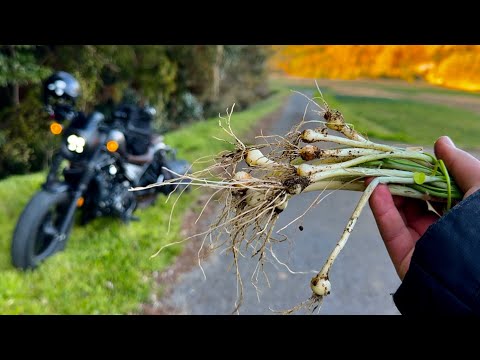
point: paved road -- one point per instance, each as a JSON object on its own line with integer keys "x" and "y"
{"x": 362, "y": 277}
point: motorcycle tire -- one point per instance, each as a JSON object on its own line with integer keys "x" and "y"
{"x": 33, "y": 238}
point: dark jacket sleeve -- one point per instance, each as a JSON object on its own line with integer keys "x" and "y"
{"x": 444, "y": 274}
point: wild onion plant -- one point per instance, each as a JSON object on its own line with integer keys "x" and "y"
{"x": 255, "y": 194}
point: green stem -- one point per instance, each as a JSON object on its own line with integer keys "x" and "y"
{"x": 435, "y": 168}
{"x": 436, "y": 192}
{"x": 400, "y": 164}
{"x": 364, "y": 159}
{"x": 359, "y": 185}
{"x": 443, "y": 168}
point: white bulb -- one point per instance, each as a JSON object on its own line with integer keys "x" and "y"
{"x": 72, "y": 147}
{"x": 321, "y": 286}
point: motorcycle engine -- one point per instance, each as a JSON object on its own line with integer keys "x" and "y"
{"x": 113, "y": 195}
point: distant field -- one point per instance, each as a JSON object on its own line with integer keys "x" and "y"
{"x": 411, "y": 88}
{"x": 398, "y": 86}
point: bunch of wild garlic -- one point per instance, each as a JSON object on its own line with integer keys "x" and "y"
{"x": 254, "y": 195}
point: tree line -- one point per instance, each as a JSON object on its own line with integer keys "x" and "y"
{"x": 453, "y": 66}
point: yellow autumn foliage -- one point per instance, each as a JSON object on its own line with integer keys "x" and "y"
{"x": 454, "y": 66}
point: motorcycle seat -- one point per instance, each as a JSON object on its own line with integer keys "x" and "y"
{"x": 156, "y": 139}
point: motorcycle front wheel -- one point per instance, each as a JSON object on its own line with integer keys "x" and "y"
{"x": 36, "y": 235}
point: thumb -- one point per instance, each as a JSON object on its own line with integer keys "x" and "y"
{"x": 462, "y": 166}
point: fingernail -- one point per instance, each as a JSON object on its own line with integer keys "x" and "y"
{"x": 448, "y": 141}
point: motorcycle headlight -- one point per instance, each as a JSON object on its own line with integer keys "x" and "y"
{"x": 112, "y": 170}
{"x": 75, "y": 143}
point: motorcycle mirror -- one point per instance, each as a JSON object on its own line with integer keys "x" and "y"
{"x": 151, "y": 110}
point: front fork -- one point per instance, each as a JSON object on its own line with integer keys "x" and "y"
{"x": 76, "y": 195}
{"x": 52, "y": 174}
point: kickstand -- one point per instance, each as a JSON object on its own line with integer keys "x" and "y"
{"x": 128, "y": 216}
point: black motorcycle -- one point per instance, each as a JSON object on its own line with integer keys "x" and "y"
{"x": 98, "y": 162}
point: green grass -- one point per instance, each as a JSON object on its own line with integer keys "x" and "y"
{"x": 106, "y": 268}
{"x": 407, "y": 121}
{"x": 413, "y": 88}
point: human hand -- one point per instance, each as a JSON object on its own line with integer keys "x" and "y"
{"x": 402, "y": 221}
